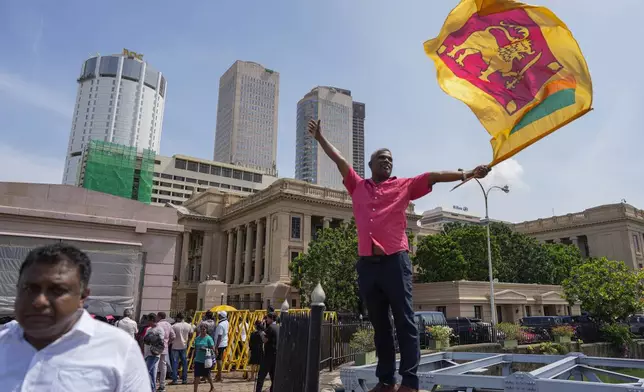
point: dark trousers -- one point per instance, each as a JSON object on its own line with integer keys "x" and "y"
{"x": 266, "y": 367}
{"x": 385, "y": 282}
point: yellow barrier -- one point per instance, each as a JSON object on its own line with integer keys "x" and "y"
{"x": 241, "y": 322}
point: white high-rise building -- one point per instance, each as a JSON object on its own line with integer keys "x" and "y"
{"x": 120, "y": 99}
{"x": 334, "y": 107}
{"x": 246, "y": 132}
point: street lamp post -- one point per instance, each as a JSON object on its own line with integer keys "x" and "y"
{"x": 486, "y": 193}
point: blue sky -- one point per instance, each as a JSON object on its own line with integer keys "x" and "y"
{"x": 372, "y": 47}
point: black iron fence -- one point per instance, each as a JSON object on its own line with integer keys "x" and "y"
{"x": 336, "y": 336}
{"x": 290, "y": 369}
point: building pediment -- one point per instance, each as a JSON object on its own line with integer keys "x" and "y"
{"x": 551, "y": 298}
{"x": 510, "y": 297}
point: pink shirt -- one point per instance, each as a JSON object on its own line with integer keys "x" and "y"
{"x": 380, "y": 210}
{"x": 168, "y": 334}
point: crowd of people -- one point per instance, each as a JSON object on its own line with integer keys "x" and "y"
{"x": 164, "y": 345}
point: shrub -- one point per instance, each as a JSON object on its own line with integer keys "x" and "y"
{"x": 362, "y": 341}
{"x": 563, "y": 330}
{"x": 548, "y": 348}
{"x": 511, "y": 331}
{"x": 440, "y": 333}
{"x": 617, "y": 334}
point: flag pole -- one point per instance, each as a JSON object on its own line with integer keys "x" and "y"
{"x": 491, "y": 165}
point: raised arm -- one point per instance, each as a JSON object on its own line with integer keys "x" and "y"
{"x": 316, "y": 131}
{"x": 451, "y": 176}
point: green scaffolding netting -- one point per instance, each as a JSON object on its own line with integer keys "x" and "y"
{"x": 119, "y": 170}
{"x": 145, "y": 176}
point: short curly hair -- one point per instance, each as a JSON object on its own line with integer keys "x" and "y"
{"x": 55, "y": 253}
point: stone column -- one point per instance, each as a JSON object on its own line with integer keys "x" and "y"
{"x": 306, "y": 231}
{"x": 248, "y": 259}
{"x": 575, "y": 241}
{"x": 267, "y": 250}
{"x": 258, "y": 250}
{"x": 206, "y": 255}
{"x": 185, "y": 244}
{"x": 326, "y": 222}
{"x": 228, "y": 273}
{"x": 238, "y": 254}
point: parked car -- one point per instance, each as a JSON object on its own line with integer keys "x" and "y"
{"x": 546, "y": 322}
{"x": 470, "y": 330}
{"x": 636, "y": 324}
{"x": 428, "y": 319}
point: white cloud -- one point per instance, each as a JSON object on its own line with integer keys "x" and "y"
{"x": 509, "y": 172}
{"x": 14, "y": 87}
{"x": 22, "y": 166}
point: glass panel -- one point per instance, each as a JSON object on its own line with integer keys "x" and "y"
{"x": 180, "y": 164}
{"x": 215, "y": 170}
{"x": 204, "y": 168}
{"x": 151, "y": 77}
{"x": 109, "y": 66}
{"x": 89, "y": 70}
{"x": 131, "y": 69}
{"x": 162, "y": 88}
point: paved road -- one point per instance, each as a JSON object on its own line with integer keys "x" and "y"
{"x": 233, "y": 382}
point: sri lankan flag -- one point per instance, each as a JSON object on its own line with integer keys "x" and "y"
{"x": 516, "y": 66}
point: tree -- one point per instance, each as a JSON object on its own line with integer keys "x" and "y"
{"x": 457, "y": 253}
{"x": 520, "y": 255}
{"x": 439, "y": 259}
{"x": 330, "y": 260}
{"x": 472, "y": 241}
{"x": 516, "y": 257}
{"x": 563, "y": 259}
{"x": 607, "y": 289}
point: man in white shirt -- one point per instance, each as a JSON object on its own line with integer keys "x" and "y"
{"x": 58, "y": 346}
{"x": 127, "y": 324}
{"x": 221, "y": 341}
{"x": 168, "y": 335}
{"x": 182, "y": 332}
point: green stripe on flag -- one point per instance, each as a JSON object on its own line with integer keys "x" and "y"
{"x": 556, "y": 101}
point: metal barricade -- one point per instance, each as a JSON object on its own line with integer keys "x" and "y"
{"x": 241, "y": 325}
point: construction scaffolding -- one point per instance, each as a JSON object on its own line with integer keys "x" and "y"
{"x": 118, "y": 170}
{"x": 469, "y": 372}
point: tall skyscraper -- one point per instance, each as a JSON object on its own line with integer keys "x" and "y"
{"x": 247, "y": 117}
{"x": 120, "y": 100}
{"x": 334, "y": 107}
{"x": 358, "y": 137}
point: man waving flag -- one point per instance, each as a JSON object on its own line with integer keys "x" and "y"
{"x": 516, "y": 66}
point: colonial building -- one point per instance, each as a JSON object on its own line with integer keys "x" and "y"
{"x": 248, "y": 242}
{"x": 612, "y": 230}
{"x": 513, "y": 301}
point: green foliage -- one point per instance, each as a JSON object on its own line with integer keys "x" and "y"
{"x": 363, "y": 341}
{"x": 434, "y": 249}
{"x": 510, "y": 330}
{"x": 617, "y": 334}
{"x": 330, "y": 260}
{"x": 607, "y": 289}
{"x": 548, "y": 348}
{"x": 459, "y": 252}
{"x": 440, "y": 333}
{"x": 563, "y": 330}
{"x": 562, "y": 259}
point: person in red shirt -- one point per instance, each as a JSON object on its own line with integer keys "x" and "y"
{"x": 384, "y": 268}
